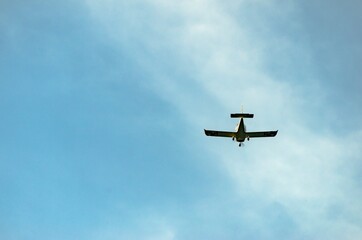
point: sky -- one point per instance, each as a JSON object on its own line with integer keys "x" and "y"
{"x": 103, "y": 106}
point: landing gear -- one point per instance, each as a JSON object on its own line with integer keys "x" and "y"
{"x": 248, "y": 138}
{"x": 239, "y": 144}
{"x": 233, "y": 139}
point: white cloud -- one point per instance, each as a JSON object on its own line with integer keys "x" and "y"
{"x": 309, "y": 173}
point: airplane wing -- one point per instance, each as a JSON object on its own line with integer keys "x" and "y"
{"x": 261, "y": 134}
{"x": 219, "y": 133}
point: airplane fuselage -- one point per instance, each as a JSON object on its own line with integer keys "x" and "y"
{"x": 240, "y": 134}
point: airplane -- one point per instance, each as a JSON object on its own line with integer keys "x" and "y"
{"x": 241, "y": 134}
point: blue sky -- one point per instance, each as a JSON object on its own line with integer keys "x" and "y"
{"x": 103, "y": 106}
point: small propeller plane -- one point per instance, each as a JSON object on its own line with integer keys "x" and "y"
{"x": 241, "y": 134}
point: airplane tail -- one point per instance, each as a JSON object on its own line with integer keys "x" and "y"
{"x": 241, "y": 115}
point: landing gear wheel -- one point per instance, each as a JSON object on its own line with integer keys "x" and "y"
{"x": 239, "y": 144}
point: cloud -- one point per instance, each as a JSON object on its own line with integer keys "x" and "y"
{"x": 205, "y": 63}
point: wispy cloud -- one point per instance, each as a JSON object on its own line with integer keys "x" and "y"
{"x": 205, "y": 63}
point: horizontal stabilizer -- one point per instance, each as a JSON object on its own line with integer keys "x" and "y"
{"x": 241, "y": 115}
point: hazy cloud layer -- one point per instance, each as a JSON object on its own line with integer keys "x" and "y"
{"x": 206, "y": 58}
{"x": 104, "y": 104}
